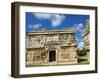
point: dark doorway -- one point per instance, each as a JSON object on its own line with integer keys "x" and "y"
{"x": 52, "y": 56}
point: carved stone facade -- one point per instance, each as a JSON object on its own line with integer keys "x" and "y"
{"x": 51, "y": 47}
{"x": 86, "y": 38}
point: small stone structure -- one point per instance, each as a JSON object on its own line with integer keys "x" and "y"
{"x": 86, "y": 38}
{"x": 51, "y": 47}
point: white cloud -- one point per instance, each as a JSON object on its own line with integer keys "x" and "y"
{"x": 35, "y": 26}
{"x": 42, "y": 16}
{"x": 76, "y": 38}
{"x": 78, "y": 27}
{"x": 55, "y": 19}
{"x": 81, "y": 45}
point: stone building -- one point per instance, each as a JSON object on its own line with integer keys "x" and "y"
{"x": 86, "y": 38}
{"x": 51, "y": 47}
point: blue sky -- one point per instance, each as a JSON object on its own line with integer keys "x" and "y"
{"x": 35, "y": 21}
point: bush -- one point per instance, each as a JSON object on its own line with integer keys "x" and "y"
{"x": 81, "y": 52}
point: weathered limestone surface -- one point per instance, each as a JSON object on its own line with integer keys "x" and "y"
{"x": 51, "y": 47}
{"x": 86, "y": 38}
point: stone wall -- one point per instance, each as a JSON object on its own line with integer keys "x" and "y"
{"x": 38, "y": 49}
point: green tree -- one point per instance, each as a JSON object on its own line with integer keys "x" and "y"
{"x": 81, "y": 52}
{"x": 88, "y": 24}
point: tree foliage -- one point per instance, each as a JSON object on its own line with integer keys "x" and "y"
{"x": 88, "y": 24}
{"x": 81, "y": 52}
